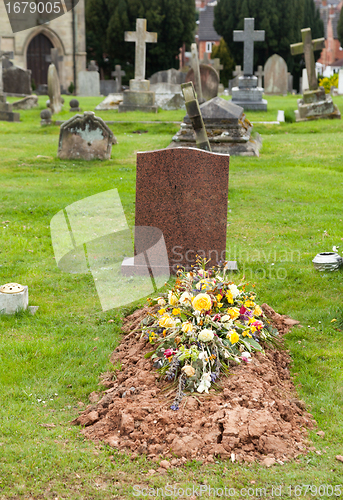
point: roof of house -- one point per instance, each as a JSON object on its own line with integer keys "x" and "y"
{"x": 206, "y": 30}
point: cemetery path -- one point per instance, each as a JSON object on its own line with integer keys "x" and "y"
{"x": 253, "y": 415}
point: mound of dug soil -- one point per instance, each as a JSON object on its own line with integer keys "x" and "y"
{"x": 255, "y": 415}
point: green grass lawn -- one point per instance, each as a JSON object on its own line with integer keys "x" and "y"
{"x": 284, "y": 208}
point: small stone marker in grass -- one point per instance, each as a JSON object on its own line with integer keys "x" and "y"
{"x": 315, "y": 103}
{"x": 85, "y": 137}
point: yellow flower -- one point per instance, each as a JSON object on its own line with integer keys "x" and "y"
{"x": 161, "y": 311}
{"x": 187, "y": 327}
{"x": 233, "y": 336}
{"x": 219, "y": 297}
{"x": 188, "y": 370}
{"x": 229, "y": 297}
{"x": 205, "y": 335}
{"x": 172, "y": 299}
{"x": 233, "y": 312}
{"x": 186, "y": 298}
{"x": 253, "y": 329}
{"x": 176, "y": 311}
{"x": 257, "y": 311}
{"x": 167, "y": 322}
{"x": 246, "y": 333}
{"x": 202, "y": 302}
{"x": 249, "y": 303}
{"x": 219, "y": 305}
{"x": 251, "y": 320}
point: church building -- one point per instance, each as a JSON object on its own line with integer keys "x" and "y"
{"x": 31, "y": 47}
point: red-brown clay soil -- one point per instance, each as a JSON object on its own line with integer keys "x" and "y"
{"x": 255, "y": 416}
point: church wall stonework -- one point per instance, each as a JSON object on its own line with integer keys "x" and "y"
{"x": 59, "y": 32}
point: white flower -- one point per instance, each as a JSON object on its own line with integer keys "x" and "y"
{"x": 202, "y": 355}
{"x": 226, "y": 318}
{"x": 186, "y": 298}
{"x": 206, "y": 335}
{"x": 161, "y": 301}
{"x": 246, "y": 354}
{"x": 205, "y": 383}
{"x": 335, "y": 249}
{"x": 234, "y": 290}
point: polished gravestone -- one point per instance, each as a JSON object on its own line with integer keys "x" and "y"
{"x": 184, "y": 193}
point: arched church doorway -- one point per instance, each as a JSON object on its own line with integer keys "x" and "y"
{"x": 37, "y": 52}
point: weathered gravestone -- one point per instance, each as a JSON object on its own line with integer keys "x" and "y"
{"x": 6, "y": 113}
{"x": 275, "y": 75}
{"x": 17, "y": 80}
{"x": 172, "y": 76}
{"x": 227, "y": 128}
{"x": 315, "y": 103}
{"x": 340, "y": 82}
{"x": 139, "y": 96}
{"x": 117, "y": 74}
{"x": 195, "y": 116}
{"x": 112, "y": 101}
{"x": 204, "y": 77}
{"x": 28, "y": 102}
{"x": 55, "y": 59}
{"x": 260, "y": 74}
{"x": 54, "y": 90}
{"x": 209, "y": 81}
{"x": 85, "y": 137}
{"x": 290, "y": 83}
{"x": 89, "y": 81}
{"x": 234, "y": 82}
{"x": 247, "y": 94}
{"x": 107, "y": 87}
{"x": 193, "y": 220}
{"x": 304, "y": 81}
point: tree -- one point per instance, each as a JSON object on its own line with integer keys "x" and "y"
{"x": 222, "y": 52}
{"x": 107, "y": 21}
{"x": 340, "y": 28}
{"x": 282, "y": 21}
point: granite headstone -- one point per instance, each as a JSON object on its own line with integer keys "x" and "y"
{"x": 168, "y": 197}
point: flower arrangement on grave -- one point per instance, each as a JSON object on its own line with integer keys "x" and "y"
{"x": 204, "y": 324}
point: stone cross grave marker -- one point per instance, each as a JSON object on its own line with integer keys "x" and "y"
{"x": 217, "y": 66}
{"x": 195, "y": 116}
{"x": 307, "y": 47}
{"x": 196, "y": 68}
{"x": 55, "y": 59}
{"x": 141, "y": 37}
{"x": 3, "y": 55}
{"x": 238, "y": 71}
{"x": 117, "y": 74}
{"x": 259, "y": 73}
{"x": 248, "y": 37}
